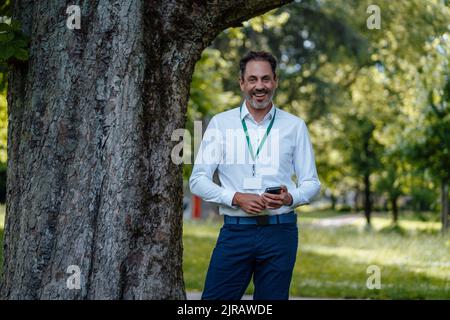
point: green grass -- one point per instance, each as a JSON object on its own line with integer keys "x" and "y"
{"x": 332, "y": 262}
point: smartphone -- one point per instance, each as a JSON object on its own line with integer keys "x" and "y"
{"x": 273, "y": 190}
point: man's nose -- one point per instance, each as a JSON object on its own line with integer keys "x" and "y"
{"x": 259, "y": 85}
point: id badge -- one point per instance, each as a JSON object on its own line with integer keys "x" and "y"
{"x": 253, "y": 183}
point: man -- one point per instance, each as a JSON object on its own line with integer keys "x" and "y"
{"x": 259, "y": 237}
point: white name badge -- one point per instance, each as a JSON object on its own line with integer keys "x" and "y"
{"x": 252, "y": 183}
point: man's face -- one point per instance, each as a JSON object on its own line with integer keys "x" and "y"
{"x": 258, "y": 84}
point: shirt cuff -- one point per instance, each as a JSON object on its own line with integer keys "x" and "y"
{"x": 297, "y": 198}
{"x": 227, "y": 198}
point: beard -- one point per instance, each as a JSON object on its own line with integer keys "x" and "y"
{"x": 257, "y": 104}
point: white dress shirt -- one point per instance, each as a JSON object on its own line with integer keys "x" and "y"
{"x": 286, "y": 153}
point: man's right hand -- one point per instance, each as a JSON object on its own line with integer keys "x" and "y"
{"x": 249, "y": 202}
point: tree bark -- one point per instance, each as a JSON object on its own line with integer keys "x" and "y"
{"x": 90, "y": 178}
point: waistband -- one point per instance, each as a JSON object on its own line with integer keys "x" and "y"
{"x": 263, "y": 220}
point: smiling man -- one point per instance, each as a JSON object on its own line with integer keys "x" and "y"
{"x": 259, "y": 237}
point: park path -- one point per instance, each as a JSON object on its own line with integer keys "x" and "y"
{"x": 338, "y": 221}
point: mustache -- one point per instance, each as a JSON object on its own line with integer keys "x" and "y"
{"x": 260, "y": 91}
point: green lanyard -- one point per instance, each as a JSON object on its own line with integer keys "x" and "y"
{"x": 247, "y": 137}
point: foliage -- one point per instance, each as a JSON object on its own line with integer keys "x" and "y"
{"x": 207, "y": 95}
{"x": 13, "y": 51}
{"x": 13, "y": 44}
{"x": 431, "y": 146}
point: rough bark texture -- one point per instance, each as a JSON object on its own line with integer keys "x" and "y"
{"x": 90, "y": 180}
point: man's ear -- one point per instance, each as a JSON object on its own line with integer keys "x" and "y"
{"x": 241, "y": 83}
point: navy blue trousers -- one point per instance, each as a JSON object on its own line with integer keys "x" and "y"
{"x": 266, "y": 252}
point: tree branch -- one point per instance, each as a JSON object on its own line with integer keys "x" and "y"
{"x": 224, "y": 14}
{"x": 204, "y": 20}
{"x": 232, "y": 13}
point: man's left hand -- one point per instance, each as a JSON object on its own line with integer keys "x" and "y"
{"x": 275, "y": 201}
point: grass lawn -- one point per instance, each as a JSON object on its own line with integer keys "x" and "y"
{"x": 332, "y": 262}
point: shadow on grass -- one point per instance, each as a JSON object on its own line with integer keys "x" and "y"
{"x": 400, "y": 230}
{"x": 394, "y": 228}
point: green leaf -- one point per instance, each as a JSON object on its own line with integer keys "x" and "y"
{"x": 6, "y": 53}
{"x": 19, "y": 43}
{"x": 21, "y": 54}
{"x": 15, "y": 25}
{"x": 4, "y": 27}
{"x": 3, "y": 68}
{"x": 5, "y": 37}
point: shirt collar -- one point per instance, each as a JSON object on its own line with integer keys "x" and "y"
{"x": 245, "y": 112}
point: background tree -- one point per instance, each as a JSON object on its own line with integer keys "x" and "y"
{"x": 431, "y": 146}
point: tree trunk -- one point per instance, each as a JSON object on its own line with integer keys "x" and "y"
{"x": 394, "y": 210}
{"x": 444, "y": 206}
{"x": 90, "y": 178}
{"x": 333, "y": 202}
{"x": 367, "y": 200}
